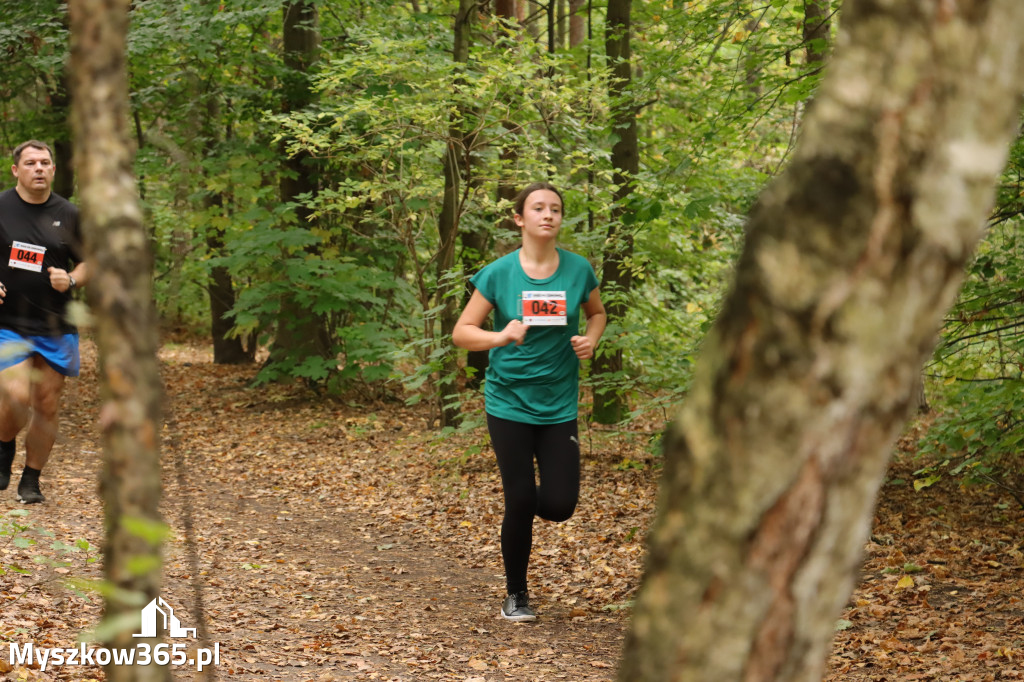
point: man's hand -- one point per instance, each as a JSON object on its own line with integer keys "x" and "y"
{"x": 59, "y": 279}
{"x": 3, "y": 292}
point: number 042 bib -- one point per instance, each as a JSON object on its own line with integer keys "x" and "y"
{"x": 27, "y": 257}
{"x": 545, "y": 308}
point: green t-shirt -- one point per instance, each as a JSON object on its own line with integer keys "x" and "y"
{"x": 537, "y": 382}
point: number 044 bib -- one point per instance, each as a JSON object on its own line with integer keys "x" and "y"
{"x": 27, "y": 256}
{"x": 544, "y": 308}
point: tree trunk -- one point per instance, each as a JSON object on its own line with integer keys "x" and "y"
{"x": 300, "y": 333}
{"x": 616, "y": 276}
{"x": 120, "y": 291}
{"x": 227, "y": 349}
{"x": 220, "y": 287}
{"x": 807, "y": 377}
{"x": 476, "y": 243}
{"x": 506, "y": 8}
{"x": 817, "y": 30}
{"x": 64, "y": 177}
{"x": 456, "y": 176}
{"x": 577, "y": 22}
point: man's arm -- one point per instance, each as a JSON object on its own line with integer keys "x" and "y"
{"x": 61, "y": 279}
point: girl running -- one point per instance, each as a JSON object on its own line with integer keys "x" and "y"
{"x": 532, "y": 383}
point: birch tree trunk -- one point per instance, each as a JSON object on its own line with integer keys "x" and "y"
{"x": 807, "y": 378}
{"x": 119, "y": 288}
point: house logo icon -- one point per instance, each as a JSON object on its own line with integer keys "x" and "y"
{"x": 160, "y": 609}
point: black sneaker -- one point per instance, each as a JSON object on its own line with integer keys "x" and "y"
{"x": 516, "y": 607}
{"x": 28, "y": 491}
{"x": 6, "y": 459}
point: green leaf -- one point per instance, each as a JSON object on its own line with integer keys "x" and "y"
{"x": 153, "y": 532}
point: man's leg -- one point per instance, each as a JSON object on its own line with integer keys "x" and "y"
{"x": 47, "y": 385}
{"x": 15, "y": 393}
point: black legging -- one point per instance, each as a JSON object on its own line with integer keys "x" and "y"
{"x": 557, "y": 450}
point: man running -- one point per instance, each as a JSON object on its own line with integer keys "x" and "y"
{"x": 40, "y": 265}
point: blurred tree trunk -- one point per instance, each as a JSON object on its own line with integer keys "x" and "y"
{"x": 577, "y": 22}
{"x": 852, "y": 257}
{"x": 817, "y": 30}
{"x": 616, "y": 274}
{"x": 120, "y": 292}
{"x": 64, "y": 176}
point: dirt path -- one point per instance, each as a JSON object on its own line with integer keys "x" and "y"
{"x": 314, "y": 540}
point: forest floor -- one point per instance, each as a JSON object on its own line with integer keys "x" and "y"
{"x": 320, "y": 540}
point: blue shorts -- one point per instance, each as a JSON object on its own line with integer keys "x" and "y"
{"x": 60, "y": 352}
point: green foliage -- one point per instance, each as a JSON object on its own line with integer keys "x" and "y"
{"x": 719, "y": 87}
{"x": 380, "y": 131}
{"x": 33, "y": 40}
{"x": 40, "y": 547}
{"x": 978, "y": 366}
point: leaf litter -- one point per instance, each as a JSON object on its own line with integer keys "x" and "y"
{"x": 319, "y": 540}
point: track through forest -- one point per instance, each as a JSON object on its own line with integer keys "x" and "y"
{"x": 320, "y": 540}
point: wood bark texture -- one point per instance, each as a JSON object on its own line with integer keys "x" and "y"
{"x": 119, "y": 288}
{"x": 616, "y": 275}
{"x": 809, "y": 374}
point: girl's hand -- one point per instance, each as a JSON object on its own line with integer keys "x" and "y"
{"x": 583, "y": 346}
{"x": 515, "y": 332}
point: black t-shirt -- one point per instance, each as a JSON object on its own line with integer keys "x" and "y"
{"x": 34, "y": 237}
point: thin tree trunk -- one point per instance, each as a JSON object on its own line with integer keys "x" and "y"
{"x": 456, "y": 176}
{"x": 616, "y": 276}
{"x": 120, "y": 292}
{"x": 852, "y": 257}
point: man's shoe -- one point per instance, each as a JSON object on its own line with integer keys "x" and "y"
{"x": 516, "y": 607}
{"x": 28, "y": 491}
{"x": 6, "y": 460}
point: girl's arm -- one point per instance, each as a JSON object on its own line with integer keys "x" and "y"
{"x": 468, "y": 333}
{"x": 597, "y": 319}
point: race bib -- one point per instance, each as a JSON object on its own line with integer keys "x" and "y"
{"x": 544, "y": 308}
{"x": 27, "y": 257}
